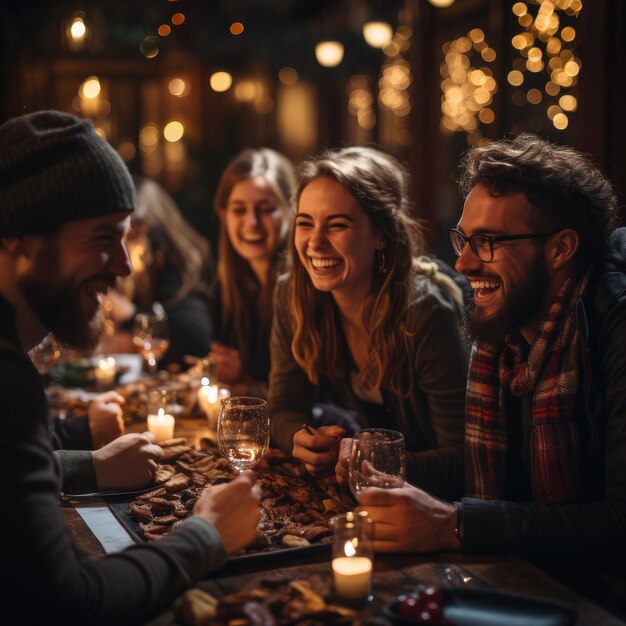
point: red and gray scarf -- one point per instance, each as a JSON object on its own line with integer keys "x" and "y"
{"x": 549, "y": 371}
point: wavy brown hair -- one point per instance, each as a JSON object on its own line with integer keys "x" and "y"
{"x": 243, "y": 300}
{"x": 379, "y": 183}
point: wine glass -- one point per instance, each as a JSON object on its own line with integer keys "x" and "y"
{"x": 243, "y": 431}
{"x": 377, "y": 459}
{"x": 151, "y": 336}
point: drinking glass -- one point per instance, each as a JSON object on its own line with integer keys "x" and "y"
{"x": 377, "y": 459}
{"x": 151, "y": 336}
{"x": 46, "y": 354}
{"x": 243, "y": 431}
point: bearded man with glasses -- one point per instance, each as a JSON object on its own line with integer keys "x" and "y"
{"x": 546, "y": 395}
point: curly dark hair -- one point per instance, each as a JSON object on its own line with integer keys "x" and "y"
{"x": 563, "y": 184}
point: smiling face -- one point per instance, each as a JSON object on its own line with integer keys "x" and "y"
{"x": 335, "y": 239}
{"x": 254, "y": 220}
{"x": 510, "y": 292}
{"x": 69, "y": 274}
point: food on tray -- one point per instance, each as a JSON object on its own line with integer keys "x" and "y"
{"x": 67, "y": 402}
{"x": 269, "y": 601}
{"x": 294, "y": 512}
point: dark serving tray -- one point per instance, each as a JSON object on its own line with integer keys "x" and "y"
{"x": 119, "y": 504}
{"x": 477, "y": 607}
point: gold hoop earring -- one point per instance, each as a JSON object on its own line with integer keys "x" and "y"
{"x": 380, "y": 262}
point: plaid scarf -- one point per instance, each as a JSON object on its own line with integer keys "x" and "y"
{"x": 549, "y": 371}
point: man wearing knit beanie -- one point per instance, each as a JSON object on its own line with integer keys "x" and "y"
{"x": 55, "y": 172}
{"x": 65, "y": 202}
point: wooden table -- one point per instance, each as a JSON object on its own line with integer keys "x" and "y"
{"x": 393, "y": 574}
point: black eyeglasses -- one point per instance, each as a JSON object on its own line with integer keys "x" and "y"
{"x": 482, "y": 245}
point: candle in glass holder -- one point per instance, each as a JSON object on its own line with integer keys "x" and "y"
{"x": 104, "y": 373}
{"x": 161, "y": 425}
{"x": 353, "y": 555}
{"x": 210, "y": 398}
{"x": 352, "y": 575}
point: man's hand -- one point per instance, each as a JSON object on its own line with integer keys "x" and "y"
{"x": 233, "y": 508}
{"x": 408, "y": 519}
{"x": 105, "y": 418}
{"x": 317, "y": 448}
{"x": 127, "y": 463}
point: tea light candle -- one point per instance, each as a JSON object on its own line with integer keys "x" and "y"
{"x": 161, "y": 425}
{"x": 105, "y": 372}
{"x": 353, "y": 577}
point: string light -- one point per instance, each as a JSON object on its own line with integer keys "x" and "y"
{"x": 467, "y": 90}
{"x": 546, "y": 45}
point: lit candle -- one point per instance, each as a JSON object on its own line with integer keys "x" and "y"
{"x": 161, "y": 425}
{"x": 105, "y": 372}
{"x": 210, "y": 398}
{"x": 352, "y": 574}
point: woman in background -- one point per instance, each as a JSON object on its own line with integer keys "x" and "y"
{"x": 253, "y": 203}
{"x": 172, "y": 266}
{"x": 363, "y": 323}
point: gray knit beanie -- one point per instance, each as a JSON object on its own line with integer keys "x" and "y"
{"x": 54, "y": 168}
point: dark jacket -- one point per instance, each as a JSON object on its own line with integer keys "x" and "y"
{"x": 46, "y": 583}
{"x": 594, "y": 529}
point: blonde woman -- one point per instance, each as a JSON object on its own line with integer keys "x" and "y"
{"x": 364, "y": 323}
{"x": 253, "y": 202}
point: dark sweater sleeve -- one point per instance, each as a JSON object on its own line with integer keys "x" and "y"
{"x": 118, "y": 589}
{"x": 71, "y": 433}
{"x": 191, "y": 329}
{"x": 78, "y": 474}
{"x": 290, "y": 394}
{"x": 440, "y": 359}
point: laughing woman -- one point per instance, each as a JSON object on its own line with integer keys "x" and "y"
{"x": 253, "y": 202}
{"x": 364, "y": 323}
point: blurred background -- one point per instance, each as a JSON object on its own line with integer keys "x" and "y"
{"x": 178, "y": 87}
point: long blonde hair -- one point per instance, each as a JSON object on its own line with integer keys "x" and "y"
{"x": 379, "y": 183}
{"x": 243, "y": 300}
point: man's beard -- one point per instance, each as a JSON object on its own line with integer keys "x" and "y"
{"x": 58, "y": 306}
{"x": 522, "y": 304}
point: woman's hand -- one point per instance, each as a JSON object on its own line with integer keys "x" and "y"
{"x": 227, "y": 363}
{"x": 343, "y": 461}
{"x": 317, "y": 448}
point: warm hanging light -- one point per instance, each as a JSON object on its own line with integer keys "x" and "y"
{"x": 329, "y": 53}
{"x": 441, "y": 4}
{"x": 174, "y": 131}
{"x": 90, "y": 88}
{"x": 78, "y": 29}
{"x": 220, "y": 81}
{"x": 377, "y": 34}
